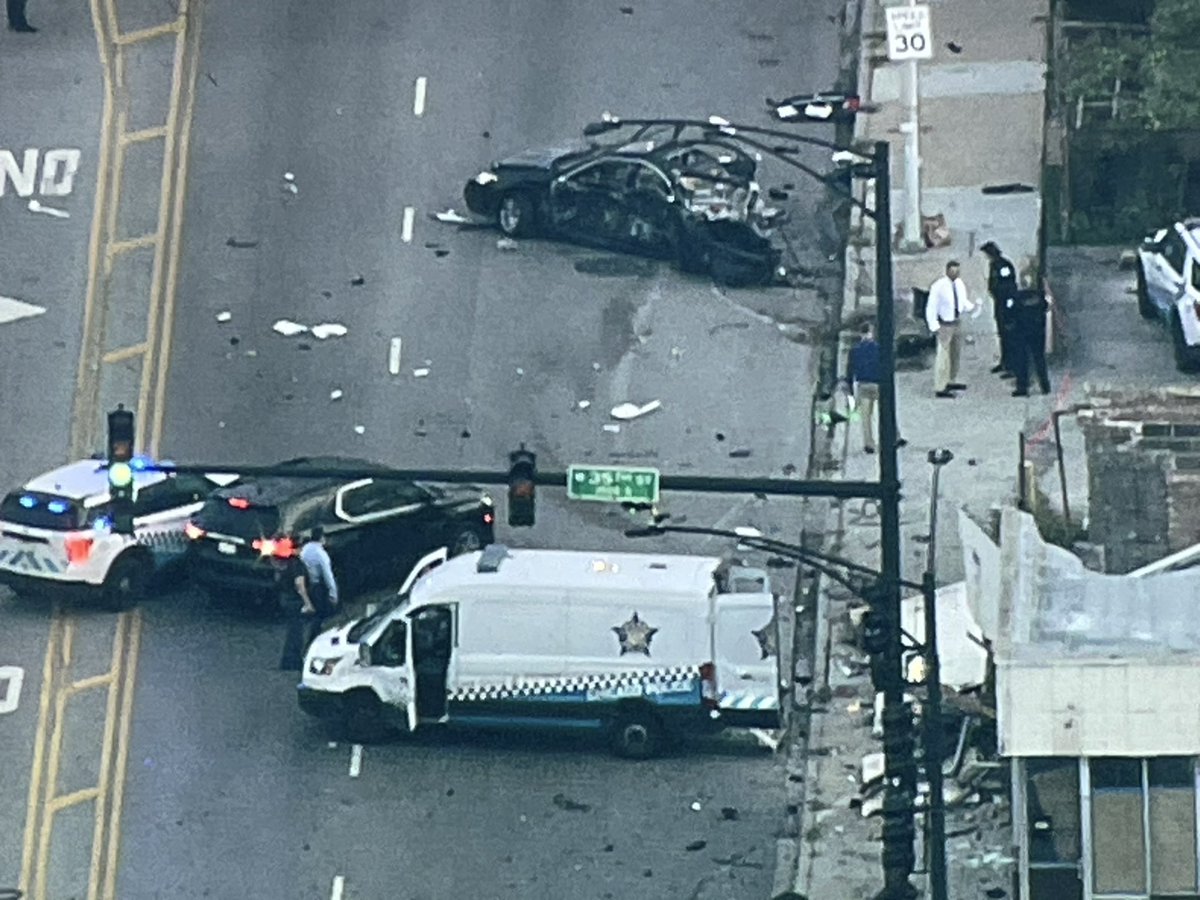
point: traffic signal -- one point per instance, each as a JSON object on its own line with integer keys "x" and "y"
{"x": 521, "y": 487}
{"x": 900, "y": 744}
{"x": 120, "y": 473}
{"x": 899, "y": 833}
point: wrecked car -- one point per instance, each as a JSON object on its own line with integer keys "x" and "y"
{"x": 672, "y": 192}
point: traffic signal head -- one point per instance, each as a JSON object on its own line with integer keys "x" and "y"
{"x": 522, "y": 487}
{"x": 120, "y": 435}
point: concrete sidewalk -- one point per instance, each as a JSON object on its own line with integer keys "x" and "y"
{"x": 982, "y": 125}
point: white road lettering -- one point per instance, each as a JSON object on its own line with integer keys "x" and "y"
{"x": 406, "y": 228}
{"x": 58, "y": 170}
{"x": 419, "y": 96}
{"x": 355, "y": 760}
{"x": 12, "y": 309}
{"x": 11, "y": 678}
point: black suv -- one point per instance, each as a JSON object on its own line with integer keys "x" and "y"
{"x": 375, "y": 529}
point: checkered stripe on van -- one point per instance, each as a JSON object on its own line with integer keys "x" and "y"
{"x": 574, "y": 684}
{"x": 166, "y": 540}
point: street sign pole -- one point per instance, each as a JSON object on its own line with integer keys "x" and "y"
{"x": 910, "y": 39}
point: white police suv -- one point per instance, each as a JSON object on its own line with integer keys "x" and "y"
{"x": 1168, "y": 287}
{"x": 56, "y": 532}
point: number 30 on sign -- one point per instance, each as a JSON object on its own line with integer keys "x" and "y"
{"x": 909, "y": 34}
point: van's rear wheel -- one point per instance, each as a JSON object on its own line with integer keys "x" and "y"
{"x": 362, "y": 718}
{"x": 636, "y": 734}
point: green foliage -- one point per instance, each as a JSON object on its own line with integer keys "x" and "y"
{"x": 1172, "y": 66}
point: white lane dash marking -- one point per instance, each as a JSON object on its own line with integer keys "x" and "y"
{"x": 12, "y": 309}
{"x": 406, "y": 229}
{"x": 394, "y": 358}
{"x": 339, "y": 885}
{"x": 355, "y": 760}
{"x": 419, "y": 96}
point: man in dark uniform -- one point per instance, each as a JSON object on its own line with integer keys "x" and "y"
{"x": 16, "y": 17}
{"x": 1002, "y": 285}
{"x": 1029, "y": 339}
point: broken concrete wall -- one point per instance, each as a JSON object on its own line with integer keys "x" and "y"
{"x": 1143, "y": 456}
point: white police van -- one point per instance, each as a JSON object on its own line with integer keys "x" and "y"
{"x": 56, "y": 532}
{"x": 639, "y": 646}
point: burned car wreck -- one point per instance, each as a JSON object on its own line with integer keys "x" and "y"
{"x": 672, "y": 192}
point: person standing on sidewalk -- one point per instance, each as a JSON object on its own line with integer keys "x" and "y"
{"x": 862, "y": 374}
{"x": 16, "y": 17}
{"x": 1002, "y": 285}
{"x": 1030, "y": 308}
{"x": 943, "y": 312}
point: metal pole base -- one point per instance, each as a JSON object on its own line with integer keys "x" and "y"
{"x": 900, "y": 891}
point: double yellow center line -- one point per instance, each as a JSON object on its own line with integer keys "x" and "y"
{"x": 106, "y": 306}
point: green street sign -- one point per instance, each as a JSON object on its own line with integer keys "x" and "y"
{"x": 612, "y": 484}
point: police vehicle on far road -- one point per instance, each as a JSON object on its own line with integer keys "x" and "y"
{"x": 1168, "y": 287}
{"x": 56, "y": 532}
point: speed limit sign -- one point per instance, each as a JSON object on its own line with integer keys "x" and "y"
{"x": 909, "y": 35}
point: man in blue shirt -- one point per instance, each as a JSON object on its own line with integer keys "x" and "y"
{"x": 863, "y": 374}
{"x": 322, "y": 586}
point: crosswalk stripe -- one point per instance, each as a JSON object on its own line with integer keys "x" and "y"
{"x": 12, "y": 309}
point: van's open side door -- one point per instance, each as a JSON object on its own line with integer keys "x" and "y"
{"x": 425, "y": 564}
{"x": 746, "y": 648}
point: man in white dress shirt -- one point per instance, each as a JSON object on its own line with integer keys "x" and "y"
{"x": 945, "y": 308}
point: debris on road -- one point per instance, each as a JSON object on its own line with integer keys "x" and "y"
{"x": 357, "y": 281}
{"x": 506, "y": 244}
{"x": 520, "y": 371}
{"x": 420, "y": 373}
{"x": 729, "y": 813}
{"x": 627, "y": 411}
{"x": 328, "y": 330}
{"x": 451, "y": 216}
{"x": 224, "y": 316}
{"x": 335, "y": 394}
{"x": 562, "y": 801}
{"x": 696, "y": 807}
{"x": 394, "y": 356}
{"x": 288, "y": 328}
{"x": 613, "y": 429}
{"x": 595, "y": 367}
{"x": 34, "y": 206}
{"x": 240, "y": 245}
{"x": 677, "y": 353}
{"x": 584, "y": 404}
{"x": 289, "y": 183}
{"x": 696, "y": 845}
{"x": 741, "y": 453}
{"x": 359, "y": 429}
{"x": 441, "y": 253}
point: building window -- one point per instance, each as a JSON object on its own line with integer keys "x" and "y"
{"x": 1118, "y": 827}
{"x": 1172, "y": 821}
{"x": 1142, "y": 823}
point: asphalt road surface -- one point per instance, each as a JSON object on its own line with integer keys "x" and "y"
{"x": 230, "y": 791}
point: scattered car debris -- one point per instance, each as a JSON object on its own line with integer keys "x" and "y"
{"x": 289, "y": 183}
{"x": 240, "y": 245}
{"x": 584, "y": 404}
{"x": 359, "y": 429}
{"x": 357, "y": 281}
{"x": 627, "y": 411}
{"x": 420, "y": 373}
{"x": 234, "y": 341}
{"x": 441, "y": 253}
{"x": 394, "y": 356}
{"x": 741, "y": 453}
{"x": 451, "y": 216}
{"x": 729, "y": 813}
{"x": 224, "y": 316}
{"x": 520, "y": 371}
{"x": 627, "y": 10}
{"x": 562, "y": 801}
{"x": 303, "y": 345}
{"x": 209, "y": 76}
{"x": 464, "y": 434}
{"x": 506, "y": 244}
{"x": 696, "y": 845}
{"x": 953, "y": 47}
{"x": 720, "y": 436}
{"x": 35, "y": 206}
{"x": 595, "y": 367}
{"x": 328, "y": 330}
{"x": 288, "y": 328}
{"x": 612, "y": 428}
{"x": 696, "y": 807}
{"x": 335, "y": 394}
{"x": 677, "y": 353}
